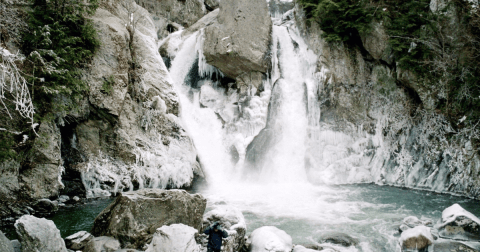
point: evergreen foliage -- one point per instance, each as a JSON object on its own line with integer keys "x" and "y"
{"x": 60, "y": 41}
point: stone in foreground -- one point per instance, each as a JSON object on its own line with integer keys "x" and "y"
{"x": 270, "y": 238}
{"x": 418, "y": 238}
{"x": 102, "y": 244}
{"x": 5, "y": 244}
{"x": 134, "y": 217}
{"x": 78, "y": 240}
{"x": 174, "y": 238}
{"x": 39, "y": 235}
{"x": 459, "y": 224}
{"x": 234, "y": 223}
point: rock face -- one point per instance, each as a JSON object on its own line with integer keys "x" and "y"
{"x": 45, "y": 207}
{"x": 234, "y": 223}
{"x": 416, "y": 238}
{"x": 78, "y": 240}
{"x": 5, "y": 244}
{"x": 39, "y": 235}
{"x": 458, "y": 223}
{"x": 134, "y": 216}
{"x": 238, "y": 43}
{"x": 174, "y": 238}
{"x": 135, "y": 122}
{"x": 102, "y": 244}
{"x": 270, "y": 238}
{"x": 166, "y": 14}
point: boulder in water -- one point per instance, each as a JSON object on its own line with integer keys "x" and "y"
{"x": 412, "y": 221}
{"x": 45, "y": 207}
{"x": 418, "y": 238}
{"x": 270, "y": 238}
{"x": 63, "y": 198}
{"x": 300, "y": 248}
{"x": 39, "y": 235}
{"x": 234, "y": 223}
{"x": 78, "y": 240}
{"x": 102, "y": 244}
{"x": 174, "y": 238}
{"x": 339, "y": 239}
{"x": 134, "y": 217}
{"x": 5, "y": 244}
{"x": 458, "y": 223}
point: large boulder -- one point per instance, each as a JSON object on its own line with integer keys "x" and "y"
{"x": 419, "y": 238}
{"x": 134, "y": 217}
{"x": 270, "y": 238}
{"x": 45, "y": 206}
{"x": 39, "y": 235}
{"x": 458, "y": 223}
{"x": 5, "y": 243}
{"x": 102, "y": 244}
{"x": 234, "y": 223}
{"x": 174, "y": 238}
{"x": 78, "y": 240}
{"x": 239, "y": 41}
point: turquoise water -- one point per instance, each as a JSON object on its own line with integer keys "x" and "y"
{"x": 368, "y": 212}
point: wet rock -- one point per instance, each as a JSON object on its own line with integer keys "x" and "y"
{"x": 45, "y": 207}
{"x": 78, "y": 240}
{"x": 174, "y": 238}
{"x": 458, "y": 223}
{"x": 233, "y": 221}
{"x": 5, "y": 243}
{"x": 418, "y": 238}
{"x": 412, "y": 221}
{"x": 63, "y": 198}
{"x": 239, "y": 41}
{"x": 339, "y": 238}
{"x": 102, "y": 244}
{"x": 76, "y": 198}
{"x": 457, "y": 246}
{"x": 270, "y": 238}
{"x": 134, "y": 216}
{"x": 40, "y": 235}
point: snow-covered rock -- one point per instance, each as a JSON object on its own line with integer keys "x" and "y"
{"x": 102, "y": 244}
{"x": 412, "y": 221}
{"x": 339, "y": 238}
{"x": 5, "y": 244}
{"x": 78, "y": 240}
{"x": 39, "y": 235}
{"x": 418, "y": 237}
{"x": 458, "y": 223}
{"x": 174, "y": 238}
{"x": 233, "y": 221}
{"x": 133, "y": 216}
{"x": 269, "y": 238}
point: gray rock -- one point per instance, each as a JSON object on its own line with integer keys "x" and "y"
{"x": 134, "y": 216}
{"x": 78, "y": 240}
{"x": 232, "y": 220}
{"x": 419, "y": 238}
{"x": 458, "y": 223}
{"x": 412, "y": 221}
{"x": 45, "y": 206}
{"x": 239, "y": 41}
{"x": 174, "y": 238}
{"x": 212, "y": 4}
{"x": 5, "y": 243}
{"x": 40, "y": 235}
{"x": 339, "y": 238}
{"x": 76, "y": 198}
{"x": 17, "y": 246}
{"x": 458, "y": 246}
{"x": 102, "y": 244}
{"x": 63, "y": 198}
{"x": 376, "y": 43}
{"x": 300, "y": 248}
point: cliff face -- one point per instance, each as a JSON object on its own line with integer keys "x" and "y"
{"x": 386, "y": 130}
